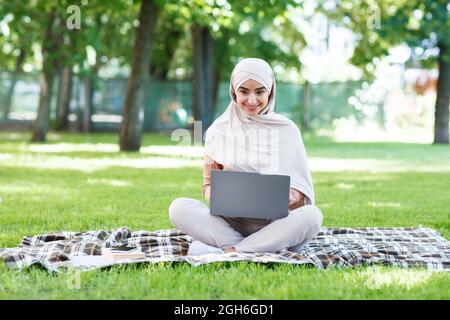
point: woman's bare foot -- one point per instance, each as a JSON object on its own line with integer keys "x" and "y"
{"x": 229, "y": 249}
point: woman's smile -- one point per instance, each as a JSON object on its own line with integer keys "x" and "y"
{"x": 251, "y": 107}
{"x": 252, "y": 97}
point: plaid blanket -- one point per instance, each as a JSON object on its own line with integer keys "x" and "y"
{"x": 332, "y": 247}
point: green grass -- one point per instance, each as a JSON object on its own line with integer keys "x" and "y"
{"x": 80, "y": 182}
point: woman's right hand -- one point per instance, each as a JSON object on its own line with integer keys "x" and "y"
{"x": 209, "y": 164}
{"x": 207, "y": 192}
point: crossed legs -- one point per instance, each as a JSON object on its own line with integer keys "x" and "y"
{"x": 192, "y": 217}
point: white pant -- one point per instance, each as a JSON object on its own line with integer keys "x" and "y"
{"x": 192, "y": 217}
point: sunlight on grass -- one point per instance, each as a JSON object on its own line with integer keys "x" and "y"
{"x": 325, "y": 155}
{"x": 174, "y": 151}
{"x": 348, "y": 132}
{"x": 29, "y": 187}
{"x": 70, "y": 147}
{"x": 385, "y": 204}
{"x": 346, "y": 182}
{"x": 335, "y": 164}
{"x": 91, "y": 165}
{"x": 373, "y": 166}
{"x": 345, "y": 186}
{"x": 377, "y": 278}
{"x": 178, "y": 151}
{"x": 177, "y": 157}
{"x": 5, "y": 156}
{"x": 109, "y": 182}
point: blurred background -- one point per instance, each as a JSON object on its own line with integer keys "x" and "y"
{"x": 351, "y": 69}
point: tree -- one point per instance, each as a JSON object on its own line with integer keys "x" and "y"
{"x": 202, "y": 91}
{"x": 104, "y": 30}
{"x": 169, "y": 31}
{"x": 380, "y": 25}
{"x": 131, "y": 125}
{"x": 10, "y": 92}
{"x": 107, "y": 34}
{"x": 197, "y": 19}
{"x": 46, "y": 21}
{"x": 65, "y": 95}
{"x": 46, "y": 82}
{"x": 57, "y": 54}
{"x": 218, "y": 41}
{"x": 16, "y": 48}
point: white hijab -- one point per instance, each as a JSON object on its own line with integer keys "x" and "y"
{"x": 267, "y": 143}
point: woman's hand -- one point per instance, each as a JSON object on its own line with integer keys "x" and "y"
{"x": 207, "y": 192}
{"x": 209, "y": 164}
{"x": 296, "y": 199}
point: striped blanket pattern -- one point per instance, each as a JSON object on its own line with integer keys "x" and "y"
{"x": 332, "y": 247}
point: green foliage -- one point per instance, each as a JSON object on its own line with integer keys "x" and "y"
{"x": 239, "y": 29}
{"x": 14, "y": 37}
{"x": 381, "y": 25}
{"x": 170, "y": 30}
{"x": 106, "y": 26}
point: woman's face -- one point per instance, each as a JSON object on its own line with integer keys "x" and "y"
{"x": 252, "y": 97}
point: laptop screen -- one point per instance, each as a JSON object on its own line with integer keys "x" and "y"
{"x": 249, "y": 194}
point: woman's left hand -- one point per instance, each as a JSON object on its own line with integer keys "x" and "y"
{"x": 296, "y": 199}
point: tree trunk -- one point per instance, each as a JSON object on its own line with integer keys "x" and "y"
{"x": 131, "y": 125}
{"x": 202, "y": 82}
{"x": 80, "y": 104}
{"x": 221, "y": 50}
{"x": 441, "y": 116}
{"x": 65, "y": 96}
{"x": 58, "y": 79}
{"x": 87, "y": 110}
{"x": 15, "y": 75}
{"x": 160, "y": 71}
{"x": 41, "y": 124}
{"x": 89, "y": 85}
{"x": 305, "y": 109}
{"x": 215, "y": 91}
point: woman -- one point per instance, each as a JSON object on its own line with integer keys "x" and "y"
{"x": 250, "y": 136}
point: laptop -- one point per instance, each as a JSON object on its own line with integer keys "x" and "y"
{"x": 249, "y": 194}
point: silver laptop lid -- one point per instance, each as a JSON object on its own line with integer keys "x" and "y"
{"x": 249, "y": 194}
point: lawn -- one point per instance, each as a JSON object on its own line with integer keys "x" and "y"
{"x": 81, "y": 182}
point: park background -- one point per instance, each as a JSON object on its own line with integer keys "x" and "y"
{"x": 93, "y": 96}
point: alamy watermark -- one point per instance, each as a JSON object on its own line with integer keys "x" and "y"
{"x": 374, "y": 18}
{"x": 73, "y": 281}
{"x": 73, "y": 20}
{"x": 255, "y": 147}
